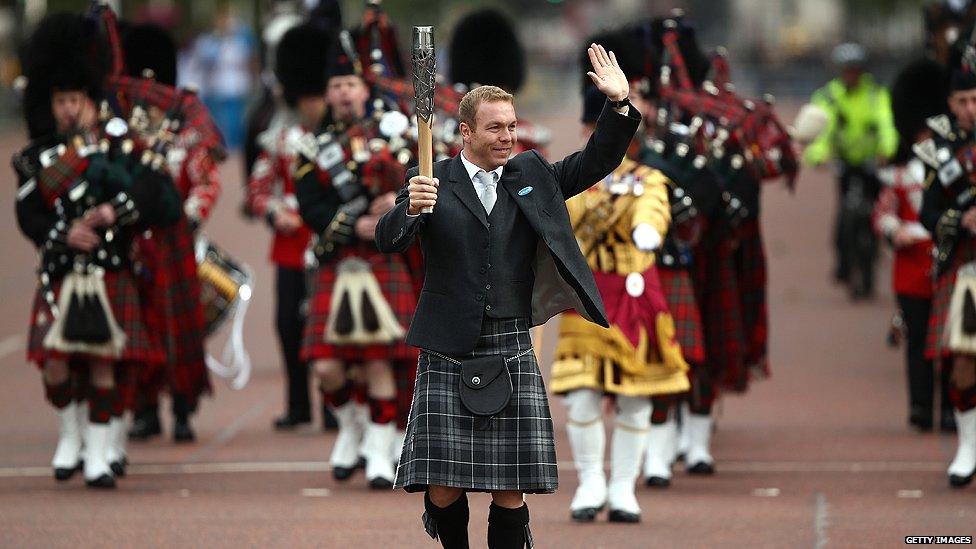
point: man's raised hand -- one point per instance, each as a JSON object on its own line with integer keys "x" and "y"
{"x": 606, "y": 73}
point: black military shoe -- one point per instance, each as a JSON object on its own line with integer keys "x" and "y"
{"x": 102, "y": 482}
{"x": 616, "y": 515}
{"x": 145, "y": 425}
{"x": 586, "y": 514}
{"x": 701, "y": 468}
{"x": 289, "y": 422}
{"x": 182, "y": 432}
{"x": 920, "y": 418}
{"x": 343, "y": 473}
{"x": 657, "y": 482}
{"x": 63, "y": 474}
{"x": 380, "y": 483}
{"x": 957, "y": 481}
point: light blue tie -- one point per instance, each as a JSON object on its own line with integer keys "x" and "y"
{"x": 488, "y": 193}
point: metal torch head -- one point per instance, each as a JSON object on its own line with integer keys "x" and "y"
{"x": 423, "y": 72}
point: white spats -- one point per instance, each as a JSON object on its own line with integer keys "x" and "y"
{"x": 345, "y": 452}
{"x": 97, "y": 440}
{"x": 661, "y": 440}
{"x": 68, "y": 453}
{"x": 963, "y": 466}
{"x": 376, "y": 445}
{"x": 699, "y": 429}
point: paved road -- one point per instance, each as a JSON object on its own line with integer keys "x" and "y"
{"x": 819, "y": 455}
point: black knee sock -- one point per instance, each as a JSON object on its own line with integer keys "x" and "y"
{"x": 450, "y": 523}
{"x": 509, "y": 528}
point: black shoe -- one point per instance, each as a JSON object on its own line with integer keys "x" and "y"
{"x": 587, "y": 514}
{"x": 145, "y": 425}
{"x": 947, "y": 423}
{"x": 343, "y": 473}
{"x": 701, "y": 468}
{"x": 104, "y": 481}
{"x": 118, "y": 468}
{"x": 657, "y": 482}
{"x": 182, "y": 432}
{"x": 329, "y": 421}
{"x": 61, "y": 474}
{"x": 288, "y": 421}
{"x": 956, "y": 481}
{"x": 380, "y": 483}
{"x": 920, "y": 418}
{"x": 616, "y": 515}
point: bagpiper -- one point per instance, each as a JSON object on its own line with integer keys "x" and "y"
{"x": 949, "y": 214}
{"x": 360, "y": 299}
{"x": 87, "y": 186}
{"x": 169, "y": 285}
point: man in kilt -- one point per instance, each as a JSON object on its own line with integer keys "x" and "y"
{"x": 950, "y": 217}
{"x": 300, "y": 71}
{"x": 360, "y": 299}
{"x": 168, "y": 285}
{"x": 500, "y": 256}
{"x": 81, "y": 199}
{"x": 620, "y": 223}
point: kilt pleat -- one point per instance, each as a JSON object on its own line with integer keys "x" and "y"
{"x": 717, "y": 291}
{"x": 140, "y": 347}
{"x": 395, "y": 281}
{"x": 934, "y": 347}
{"x": 446, "y": 446}
{"x": 751, "y": 274}
{"x": 680, "y": 295}
{"x": 170, "y": 293}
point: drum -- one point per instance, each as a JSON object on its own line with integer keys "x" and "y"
{"x": 224, "y": 283}
{"x": 225, "y": 291}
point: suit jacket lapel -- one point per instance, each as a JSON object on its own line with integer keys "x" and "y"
{"x": 512, "y": 182}
{"x": 464, "y": 189}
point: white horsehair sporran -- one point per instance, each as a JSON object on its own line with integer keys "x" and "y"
{"x": 359, "y": 314}
{"x": 960, "y": 332}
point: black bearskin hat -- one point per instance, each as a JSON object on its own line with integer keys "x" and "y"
{"x": 149, "y": 46}
{"x": 486, "y": 50}
{"x": 66, "y": 52}
{"x": 652, "y": 32}
{"x": 300, "y": 63}
{"x": 919, "y": 91}
{"x": 343, "y": 59}
{"x": 327, "y": 15}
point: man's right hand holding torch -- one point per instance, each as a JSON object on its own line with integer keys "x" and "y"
{"x": 422, "y": 193}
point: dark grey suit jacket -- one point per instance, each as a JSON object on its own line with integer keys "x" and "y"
{"x": 448, "y": 317}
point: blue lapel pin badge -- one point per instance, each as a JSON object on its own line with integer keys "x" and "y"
{"x": 524, "y": 191}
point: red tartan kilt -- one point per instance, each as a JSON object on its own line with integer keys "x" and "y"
{"x": 965, "y": 252}
{"x": 393, "y": 275}
{"x": 120, "y": 286}
{"x": 680, "y": 295}
{"x": 717, "y": 290}
{"x": 750, "y": 261}
{"x": 170, "y": 294}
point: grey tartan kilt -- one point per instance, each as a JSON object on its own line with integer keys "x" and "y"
{"x": 445, "y": 445}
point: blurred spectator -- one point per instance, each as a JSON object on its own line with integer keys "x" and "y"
{"x": 222, "y": 64}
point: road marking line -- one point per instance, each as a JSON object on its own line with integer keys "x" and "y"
{"x": 910, "y": 494}
{"x": 229, "y": 432}
{"x": 10, "y": 345}
{"x": 204, "y": 468}
{"x": 821, "y": 521}
{"x": 316, "y": 492}
{"x": 766, "y": 492}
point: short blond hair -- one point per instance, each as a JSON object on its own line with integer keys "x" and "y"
{"x": 473, "y": 99}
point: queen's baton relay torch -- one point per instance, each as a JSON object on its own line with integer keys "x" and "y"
{"x": 423, "y": 92}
